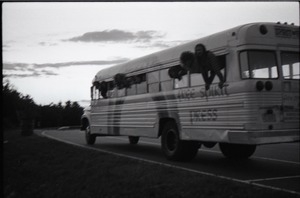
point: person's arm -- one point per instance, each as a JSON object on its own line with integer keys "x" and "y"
{"x": 222, "y": 80}
{"x": 213, "y": 60}
{"x": 206, "y": 80}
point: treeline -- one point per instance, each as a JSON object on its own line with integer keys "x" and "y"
{"x": 17, "y": 108}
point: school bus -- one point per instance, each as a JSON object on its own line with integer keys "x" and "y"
{"x": 259, "y": 103}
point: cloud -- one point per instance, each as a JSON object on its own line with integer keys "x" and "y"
{"x": 47, "y": 44}
{"x": 14, "y": 66}
{"x": 68, "y": 64}
{"x": 29, "y": 67}
{"x": 22, "y": 70}
{"x": 117, "y": 36}
{"x": 32, "y": 74}
{"x": 5, "y": 46}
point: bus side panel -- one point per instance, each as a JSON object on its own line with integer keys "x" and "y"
{"x": 135, "y": 116}
{"x": 208, "y": 115}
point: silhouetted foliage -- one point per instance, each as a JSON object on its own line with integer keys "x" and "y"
{"x": 17, "y": 108}
{"x": 10, "y": 102}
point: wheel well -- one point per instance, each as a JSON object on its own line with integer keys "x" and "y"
{"x": 162, "y": 123}
{"x": 84, "y": 124}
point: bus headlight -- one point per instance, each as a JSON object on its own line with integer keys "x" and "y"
{"x": 260, "y": 85}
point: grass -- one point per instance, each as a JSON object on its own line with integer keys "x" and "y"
{"x": 38, "y": 167}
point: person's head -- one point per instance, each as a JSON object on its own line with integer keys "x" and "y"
{"x": 186, "y": 60}
{"x": 120, "y": 80}
{"x": 200, "y": 49}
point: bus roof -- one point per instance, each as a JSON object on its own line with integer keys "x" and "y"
{"x": 218, "y": 43}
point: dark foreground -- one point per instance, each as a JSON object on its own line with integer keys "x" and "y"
{"x": 35, "y": 166}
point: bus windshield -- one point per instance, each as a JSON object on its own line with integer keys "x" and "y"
{"x": 258, "y": 64}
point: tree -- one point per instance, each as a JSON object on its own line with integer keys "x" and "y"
{"x": 17, "y": 108}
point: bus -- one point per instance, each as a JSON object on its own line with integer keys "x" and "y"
{"x": 258, "y": 104}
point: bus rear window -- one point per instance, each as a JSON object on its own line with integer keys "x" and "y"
{"x": 258, "y": 64}
{"x": 290, "y": 65}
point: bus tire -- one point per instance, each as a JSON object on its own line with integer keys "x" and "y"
{"x": 237, "y": 151}
{"x": 90, "y": 138}
{"x": 174, "y": 148}
{"x": 133, "y": 139}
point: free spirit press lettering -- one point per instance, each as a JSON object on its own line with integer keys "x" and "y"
{"x": 203, "y": 115}
{"x": 187, "y": 94}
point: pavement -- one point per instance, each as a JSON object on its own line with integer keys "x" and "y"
{"x": 275, "y": 166}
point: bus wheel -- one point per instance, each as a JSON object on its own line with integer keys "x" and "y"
{"x": 237, "y": 151}
{"x": 174, "y": 148}
{"x": 90, "y": 138}
{"x": 133, "y": 139}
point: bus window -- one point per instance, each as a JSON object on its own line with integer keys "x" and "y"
{"x": 154, "y": 87}
{"x": 97, "y": 93}
{"x": 258, "y": 64}
{"x": 92, "y": 92}
{"x": 141, "y": 83}
{"x": 153, "y": 82}
{"x": 131, "y": 90}
{"x": 197, "y": 79}
{"x": 142, "y": 88}
{"x": 166, "y": 82}
{"x": 121, "y": 92}
{"x": 138, "y": 85}
{"x": 183, "y": 82}
{"x": 290, "y": 65}
{"x": 153, "y": 77}
{"x": 110, "y": 90}
{"x": 244, "y": 65}
{"x": 110, "y": 85}
{"x": 164, "y": 76}
{"x": 166, "y": 85}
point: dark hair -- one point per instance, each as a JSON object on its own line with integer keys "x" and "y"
{"x": 186, "y": 56}
{"x": 120, "y": 81}
{"x": 96, "y": 84}
{"x": 176, "y": 72}
{"x": 203, "y": 46}
{"x": 103, "y": 89}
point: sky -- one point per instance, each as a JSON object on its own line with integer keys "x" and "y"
{"x": 52, "y": 51}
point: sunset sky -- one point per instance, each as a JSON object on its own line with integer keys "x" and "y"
{"x": 52, "y": 51}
